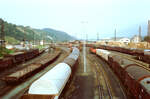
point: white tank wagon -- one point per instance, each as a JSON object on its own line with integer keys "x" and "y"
{"x": 103, "y": 53}
{"x": 51, "y": 84}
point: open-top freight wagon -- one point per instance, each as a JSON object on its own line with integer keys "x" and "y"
{"x": 17, "y": 58}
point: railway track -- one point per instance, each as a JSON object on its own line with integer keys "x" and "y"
{"x": 102, "y": 93}
{"x": 107, "y": 81}
{"x": 15, "y": 91}
{"x": 104, "y": 87}
{"x": 98, "y": 82}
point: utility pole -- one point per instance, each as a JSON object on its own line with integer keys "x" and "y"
{"x": 115, "y": 35}
{"x": 45, "y": 38}
{"x": 2, "y": 36}
{"x": 33, "y": 39}
{"x": 139, "y": 30}
{"x": 140, "y": 38}
{"x": 42, "y": 40}
{"x": 97, "y": 36}
{"x": 86, "y": 37}
{"x": 24, "y": 39}
{"x": 148, "y": 31}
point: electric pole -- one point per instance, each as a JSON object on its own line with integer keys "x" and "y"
{"x": 115, "y": 35}
{"x": 140, "y": 38}
{"x": 97, "y": 36}
{"x": 33, "y": 39}
{"x": 86, "y": 37}
{"x": 2, "y": 34}
{"x": 24, "y": 39}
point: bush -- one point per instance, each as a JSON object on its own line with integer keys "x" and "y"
{"x": 5, "y": 51}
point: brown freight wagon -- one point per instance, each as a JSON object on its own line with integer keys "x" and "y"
{"x": 5, "y": 63}
{"x": 134, "y": 77}
{"x": 22, "y": 74}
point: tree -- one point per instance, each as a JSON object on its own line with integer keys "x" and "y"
{"x": 147, "y": 38}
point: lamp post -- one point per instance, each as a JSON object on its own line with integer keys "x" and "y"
{"x": 84, "y": 47}
{"x": 51, "y": 45}
{"x": 97, "y": 36}
{"x": 115, "y": 32}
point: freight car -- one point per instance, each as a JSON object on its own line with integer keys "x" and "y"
{"x": 139, "y": 53}
{"x": 51, "y": 84}
{"x": 92, "y": 50}
{"x": 5, "y": 63}
{"x": 135, "y": 78}
{"x": 22, "y": 74}
{"x": 103, "y": 53}
{"x": 29, "y": 70}
{"x": 31, "y": 54}
{"x": 17, "y": 58}
{"x": 146, "y": 56}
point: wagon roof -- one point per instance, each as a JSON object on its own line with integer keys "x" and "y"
{"x": 137, "y": 72}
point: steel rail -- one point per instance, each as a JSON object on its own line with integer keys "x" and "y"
{"x": 109, "y": 89}
{"x": 101, "y": 90}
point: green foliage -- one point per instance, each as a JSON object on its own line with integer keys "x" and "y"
{"x": 58, "y": 35}
{"x": 40, "y": 47}
{"x": 11, "y": 40}
{"x": 16, "y": 33}
{"x": 5, "y": 51}
{"x": 147, "y": 38}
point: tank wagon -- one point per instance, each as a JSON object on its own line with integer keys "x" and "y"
{"x": 51, "y": 84}
{"x": 135, "y": 78}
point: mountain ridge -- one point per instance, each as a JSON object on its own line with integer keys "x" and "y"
{"x": 20, "y": 33}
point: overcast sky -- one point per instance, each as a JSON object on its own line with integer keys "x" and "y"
{"x": 78, "y": 17}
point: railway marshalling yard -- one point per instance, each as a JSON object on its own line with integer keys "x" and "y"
{"x": 97, "y": 82}
{"x": 93, "y": 79}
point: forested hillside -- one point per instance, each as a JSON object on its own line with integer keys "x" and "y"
{"x": 15, "y": 33}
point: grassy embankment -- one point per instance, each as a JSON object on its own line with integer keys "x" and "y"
{"x": 5, "y": 51}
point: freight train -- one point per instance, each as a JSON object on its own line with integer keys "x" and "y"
{"x": 17, "y": 58}
{"x": 30, "y": 69}
{"x": 141, "y": 54}
{"x": 51, "y": 84}
{"x": 135, "y": 78}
